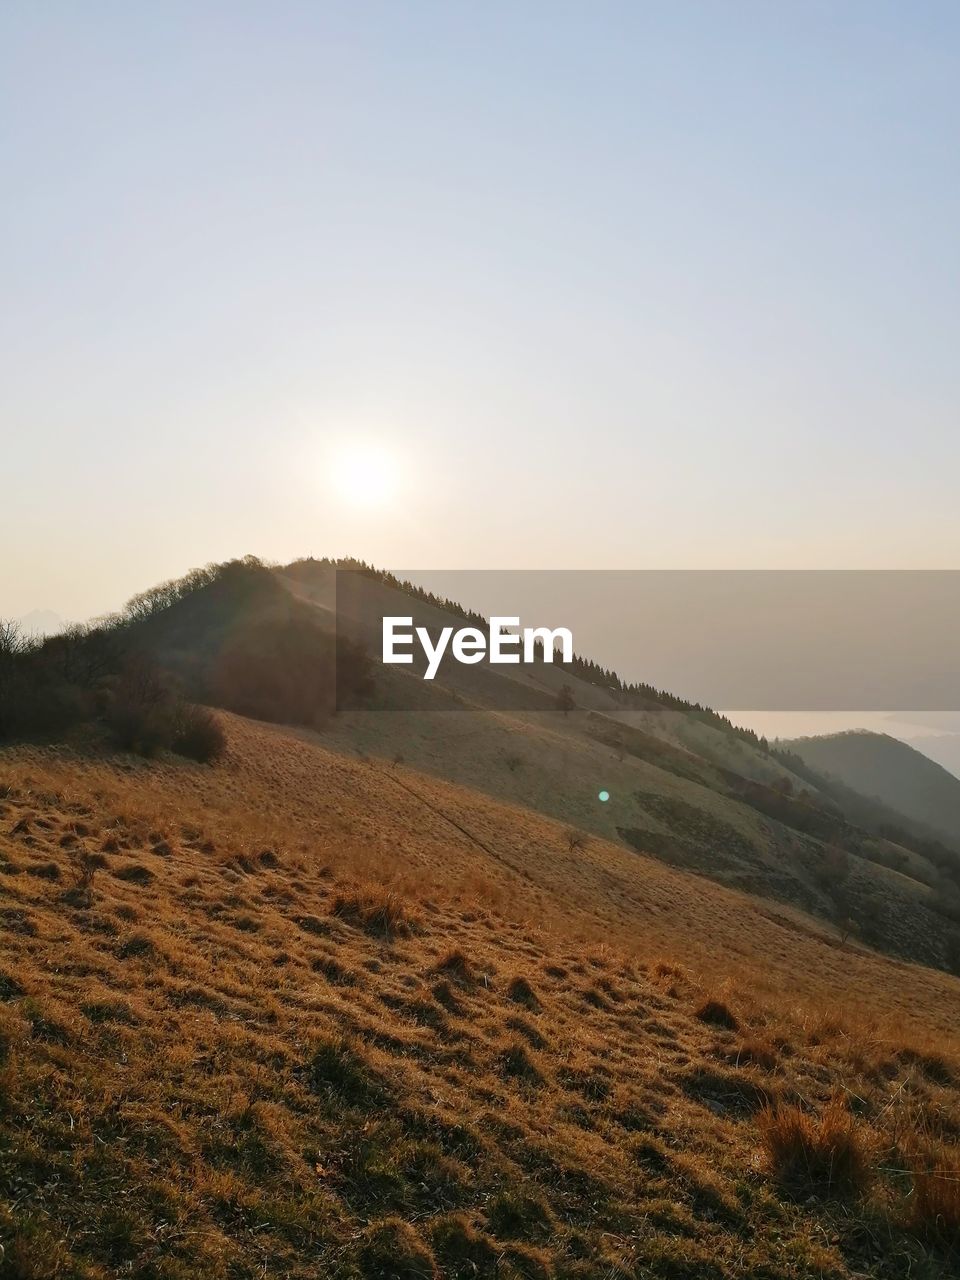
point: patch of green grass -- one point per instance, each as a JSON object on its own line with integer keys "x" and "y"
{"x": 393, "y": 1250}
{"x": 337, "y": 1067}
{"x": 516, "y": 1214}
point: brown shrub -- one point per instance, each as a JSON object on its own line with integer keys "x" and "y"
{"x": 198, "y": 734}
{"x": 85, "y": 867}
{"x": 145, "y": 715}
{"x": 824, "y": 1155}
{"x": 141, "y": 709}
{"x": 373, "y": 908}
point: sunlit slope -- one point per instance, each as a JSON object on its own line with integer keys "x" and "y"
{"x": 639, "y": 767}
{"x": 679, "y": 787}
{"x": 508, "y": 1054}
{"x": 368, "y": 817}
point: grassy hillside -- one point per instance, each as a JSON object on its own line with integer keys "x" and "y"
{"x": 683, "y": 784}
{"x": 877, "y": 765}
{"x": 302, "y": 1014}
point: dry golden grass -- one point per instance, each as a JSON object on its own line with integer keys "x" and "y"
{"x": 717, "y": 1012}
{"x": 301, "y": 1021}
{"x": 378, "y": 910}
{"x": 934, "y": 1204}
{"x": 824, "y": 1154}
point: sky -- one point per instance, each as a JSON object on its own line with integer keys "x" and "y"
{"x": 451, "y": 285}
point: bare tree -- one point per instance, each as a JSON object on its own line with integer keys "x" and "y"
{"x": 565, "y": 700}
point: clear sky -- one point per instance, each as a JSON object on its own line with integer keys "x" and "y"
{"x": 574, "y": 285}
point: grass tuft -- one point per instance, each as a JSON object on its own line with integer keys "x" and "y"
{"x": 517, "y": 1062}
{"x": 375, "y": 909}
{"x": 933, "y": 1209}
{"x": 519, "y": 1215}
{"x": 521, "y": 992}
{"x": 336, "y": 1066}
{"x": 456, "y": 965}
{"x": 392, "y": 1250}
{"x": 822, "y": 1155}
{"x": 717, "y": 1013}
{"x": 462, "y": 1249}
{"x": 134, "y": 873}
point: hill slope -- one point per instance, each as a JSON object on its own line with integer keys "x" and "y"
{"x": 683, "y": 784}
{"x": 877, "y": 765}
{"x": 300, "y": 1014}
{"x": 678, "y": 781}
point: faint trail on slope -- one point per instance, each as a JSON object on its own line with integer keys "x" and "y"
{"x": 456, "y": 825}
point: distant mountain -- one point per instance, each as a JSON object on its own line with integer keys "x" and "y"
{"x": 886, "y": 768}
{"x": 944, "y": 748}
{"x": 41, "y": 622}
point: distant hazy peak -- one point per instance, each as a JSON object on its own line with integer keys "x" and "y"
{"x": 878, "y": 765}
{"x": 43, "y": 622}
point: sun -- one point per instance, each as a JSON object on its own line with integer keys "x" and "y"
{"x": 365, "y": 475}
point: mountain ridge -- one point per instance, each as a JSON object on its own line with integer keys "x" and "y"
{"x": 877, "y": 764}
{"x": 626, "y": 763}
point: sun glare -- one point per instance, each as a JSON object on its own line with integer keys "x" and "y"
{"x": 364, "y": 475}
